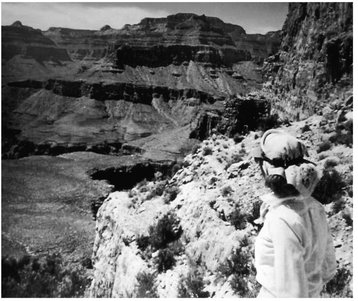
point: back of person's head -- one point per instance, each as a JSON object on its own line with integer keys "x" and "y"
{"x": 282, "y": 162}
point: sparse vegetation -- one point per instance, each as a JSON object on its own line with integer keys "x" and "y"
{"x": 159, "y": 188}
{"x": 338, "y": 286}
{"x": 226, "y": 191}
{"x": 31, "y": 277}
{"x": 163, "y": 239}
{"x": 347, "y": 216}
{"x": 238, "y": 218}
{"x": 192, "y": 286}
{"x": 341, "y": 137}
{"x": 306, "y": 128}
{"x": 240, "y": 269}
{"x": 329, "y": 163}
{"x": 207, "y": 151}
{"x": 142, "y": 242}
{"x": 324, "y": 146}
{"x": 165, "y": 260}
{"x": 338, "y": 205}
{"x": 330, "y": 186}
{"x": 165, "y": 231}
{"x": 170, "y": 193}
{"x": 147, "y": 287}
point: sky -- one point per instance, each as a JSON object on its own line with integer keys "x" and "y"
{"x": 254, "y": 17}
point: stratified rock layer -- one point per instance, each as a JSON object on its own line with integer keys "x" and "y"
{"x": 314, "y": 64}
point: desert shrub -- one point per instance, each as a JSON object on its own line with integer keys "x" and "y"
{"x": 28, "y": 277}
{"x": 239, "y": 266}
{"x": 338, "y": 205}
{"x": 192, "y": 286}
{"x": 207, "y": 151}
{"x": 329, "y": 163}
{"x": 238, "y": 218}
{"x": 306, "y": 128}
{"x": 326, "y": 145}
{"x": 159, "y": 188}
{"x": 226, "y": 191}
{"x": 338, "y": 286}
{"x": 142, "y": 242}
{"x": 342, "y": 138}
{"x": 347, "y": 216}
{"x": 238, "y": 138}
{"x": 255, "y": 211}
{"x": 165, "y": 260}
{"x": 147, "y": 287}
{"x": 329, "y": 188}
{"x": 170, "y": 194}
{"x": 165, "y": 231}
{"x": 87, "y": 263}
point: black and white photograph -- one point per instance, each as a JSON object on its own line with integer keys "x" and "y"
{"x": 177, "y": 149}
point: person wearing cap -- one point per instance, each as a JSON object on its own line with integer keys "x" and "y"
{"x": 294, "y": 253}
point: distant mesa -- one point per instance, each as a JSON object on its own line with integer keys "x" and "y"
{"x": 17, "y": 24}
{"x": 105, "y": 27}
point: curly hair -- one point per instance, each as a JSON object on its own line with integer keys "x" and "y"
{"x": 279, "y": 186}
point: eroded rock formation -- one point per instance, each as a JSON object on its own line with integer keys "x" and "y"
{"x": 314, "y": 64}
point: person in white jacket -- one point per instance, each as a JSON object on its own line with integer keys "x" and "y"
{"x": 294, "y": 253}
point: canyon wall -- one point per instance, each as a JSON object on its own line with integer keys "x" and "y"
{"x": 314, "y": 64}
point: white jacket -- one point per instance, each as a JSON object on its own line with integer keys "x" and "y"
{"x": 294, "y": 253}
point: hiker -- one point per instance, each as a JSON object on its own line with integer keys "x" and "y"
{"x": 294, "y": 253}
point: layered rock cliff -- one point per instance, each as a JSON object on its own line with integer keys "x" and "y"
{"x": 156, "y": 78}
{"x": 314, "y": 64}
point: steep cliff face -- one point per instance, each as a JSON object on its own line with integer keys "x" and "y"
{"x": 314, "y": 64}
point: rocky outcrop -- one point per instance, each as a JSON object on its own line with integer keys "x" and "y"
{"x": 244, "y": 114}
{"x": 314, "y": 64}
{"x": 210, "y": 216}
